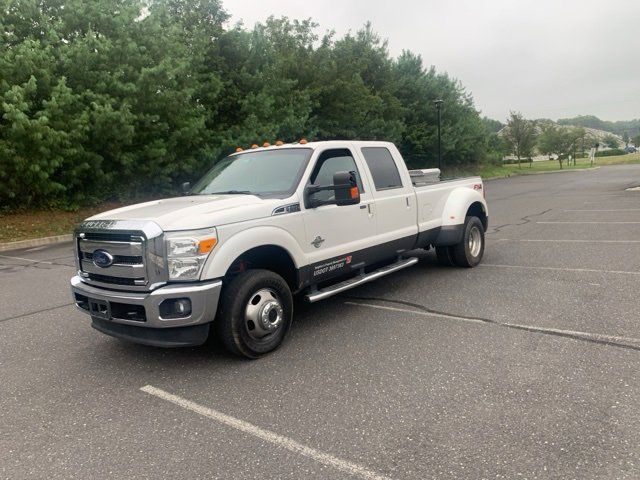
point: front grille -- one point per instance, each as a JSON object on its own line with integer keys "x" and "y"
{"x": 114, "y": 280}
{"x": 111, "y": 237}
{"x": 126, "y": 250}
{"x": 117, "y": 259}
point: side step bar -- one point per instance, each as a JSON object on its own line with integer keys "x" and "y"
{"x": 359, "y": 280}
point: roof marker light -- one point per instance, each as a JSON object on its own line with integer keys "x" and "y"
{"x": 279, "y": 143}
{"x": 266, "y": 144}
{"x": 303, "y": 141}
{"x": 239, "y": 149}
{"x": 255, "y": 145}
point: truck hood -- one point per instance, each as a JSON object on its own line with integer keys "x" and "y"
{"x": 196, "y": 211}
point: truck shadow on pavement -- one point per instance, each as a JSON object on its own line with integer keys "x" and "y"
{"x": 310, "y": 322}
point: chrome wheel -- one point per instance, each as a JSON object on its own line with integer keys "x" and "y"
{"x": 475, "y": 241}
{"x": 264, "y": 314}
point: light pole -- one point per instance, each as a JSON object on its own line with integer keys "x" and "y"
{"x": 438, "y": 104}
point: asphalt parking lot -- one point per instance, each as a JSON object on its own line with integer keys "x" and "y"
{"x": 527, "y": 366}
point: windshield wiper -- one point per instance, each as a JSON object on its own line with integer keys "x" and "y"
{"x": 232, "y": 192}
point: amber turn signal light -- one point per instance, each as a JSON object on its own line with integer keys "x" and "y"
{"x": 205, "y": 246}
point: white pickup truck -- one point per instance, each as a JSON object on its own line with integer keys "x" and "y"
{"x": 263, "y": 224}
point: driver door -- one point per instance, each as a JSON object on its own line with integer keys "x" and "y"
{"x": 337, "y": 236}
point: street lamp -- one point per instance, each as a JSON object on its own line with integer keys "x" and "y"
{"x": 438, "y": 104}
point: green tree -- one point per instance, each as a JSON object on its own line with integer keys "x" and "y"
{"x": 491, "y": 125}
{"x": 122, "y": 98}
{"x": 464, "y": 138}
{"x": 560, "y": 141}
{"x": 521, "y": 135}
{"x": 611, "y": 141}
{"x": 625, "y": 138}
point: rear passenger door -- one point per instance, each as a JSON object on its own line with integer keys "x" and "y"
{"x": 396, "y": 211}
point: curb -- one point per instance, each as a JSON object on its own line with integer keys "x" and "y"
{"x": 545, "y": 172}
{"x": 35, "y": 242}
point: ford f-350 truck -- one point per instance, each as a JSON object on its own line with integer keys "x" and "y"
{"x": 264, "y": 224}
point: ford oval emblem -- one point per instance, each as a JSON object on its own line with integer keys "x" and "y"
{"x": 102, "y": 258}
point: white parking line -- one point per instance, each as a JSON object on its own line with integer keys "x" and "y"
{"x": 581, "y": 240}
{"x": 591, "y": 223}
{"x": 266, "y": 435}
{"x": 594, "y": 337}
{"x": 562, "y": 269}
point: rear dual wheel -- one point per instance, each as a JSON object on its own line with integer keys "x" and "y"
{"x": 468, "y": 253}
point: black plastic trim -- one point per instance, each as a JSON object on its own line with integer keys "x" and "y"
{"x": 349, "y": 263}
{"x": 450, "y": 235}
{"x": 189, "y": 336}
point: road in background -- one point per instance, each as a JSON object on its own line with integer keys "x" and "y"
{"x": 525, "y": 366}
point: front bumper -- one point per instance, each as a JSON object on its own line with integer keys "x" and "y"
{"x": 143, "y": 322}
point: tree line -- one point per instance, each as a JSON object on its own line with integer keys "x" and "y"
{"x": 526, "y": 138}
{"x": 621, "y": 127}
{"x": 122, "y": 98}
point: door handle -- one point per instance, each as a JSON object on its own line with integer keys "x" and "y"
{"x": 362, "y": 207}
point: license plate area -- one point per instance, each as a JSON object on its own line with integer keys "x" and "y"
{"x": 99, "y": 308}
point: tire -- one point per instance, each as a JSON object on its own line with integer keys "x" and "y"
{"x": 255, "y": 314}
{"x": 468, "y": 253}
{"x": 445, "y": 256}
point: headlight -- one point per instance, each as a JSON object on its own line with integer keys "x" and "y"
{"x": 187, "y": 251}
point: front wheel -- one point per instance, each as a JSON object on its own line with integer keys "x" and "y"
{"x": 469, "y": 251}
{"x": 256, "y": 311}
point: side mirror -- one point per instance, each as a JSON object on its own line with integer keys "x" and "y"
{"x": 186, "y": 188}
{"x": 346, "y": 188}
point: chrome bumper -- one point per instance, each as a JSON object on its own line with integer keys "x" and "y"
{"x": 204, "y": 302}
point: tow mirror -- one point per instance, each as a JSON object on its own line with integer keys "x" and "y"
{"x": 345, "y": 191}
{"x": 186, "y": 188}
{"x": 346, "y": 188}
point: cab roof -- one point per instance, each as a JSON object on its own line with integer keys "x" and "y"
{"x": 320, "y": 144}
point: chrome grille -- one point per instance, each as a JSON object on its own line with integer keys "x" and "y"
{"x": 127, "y": 251}
{"x": 123, "y": 259}
{"x": 135, "y": 251}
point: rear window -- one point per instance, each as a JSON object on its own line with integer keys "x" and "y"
{"x": 382, "y": 167}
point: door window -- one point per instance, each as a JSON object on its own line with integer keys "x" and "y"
{"x": 382, "y": 167}
{"x": 330, "y": 162}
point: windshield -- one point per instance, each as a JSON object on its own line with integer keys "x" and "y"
{"x": 266, "y": 172}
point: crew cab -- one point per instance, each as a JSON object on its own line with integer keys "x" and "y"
{"x": 264, "y": 224}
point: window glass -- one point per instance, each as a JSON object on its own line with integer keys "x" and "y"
{"x": 265, "y": 172}
{"x": 383, "y": 168}
{"x": 330, "y": 162}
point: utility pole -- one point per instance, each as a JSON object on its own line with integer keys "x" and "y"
{"x": 438, "y": 104}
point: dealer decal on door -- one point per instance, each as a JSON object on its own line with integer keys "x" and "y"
{"x": 331, "y": 266}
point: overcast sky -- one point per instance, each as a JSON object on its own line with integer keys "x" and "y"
{"x": 545, "y": 58}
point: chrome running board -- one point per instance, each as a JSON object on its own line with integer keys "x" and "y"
{"x": 359, "y": 280}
